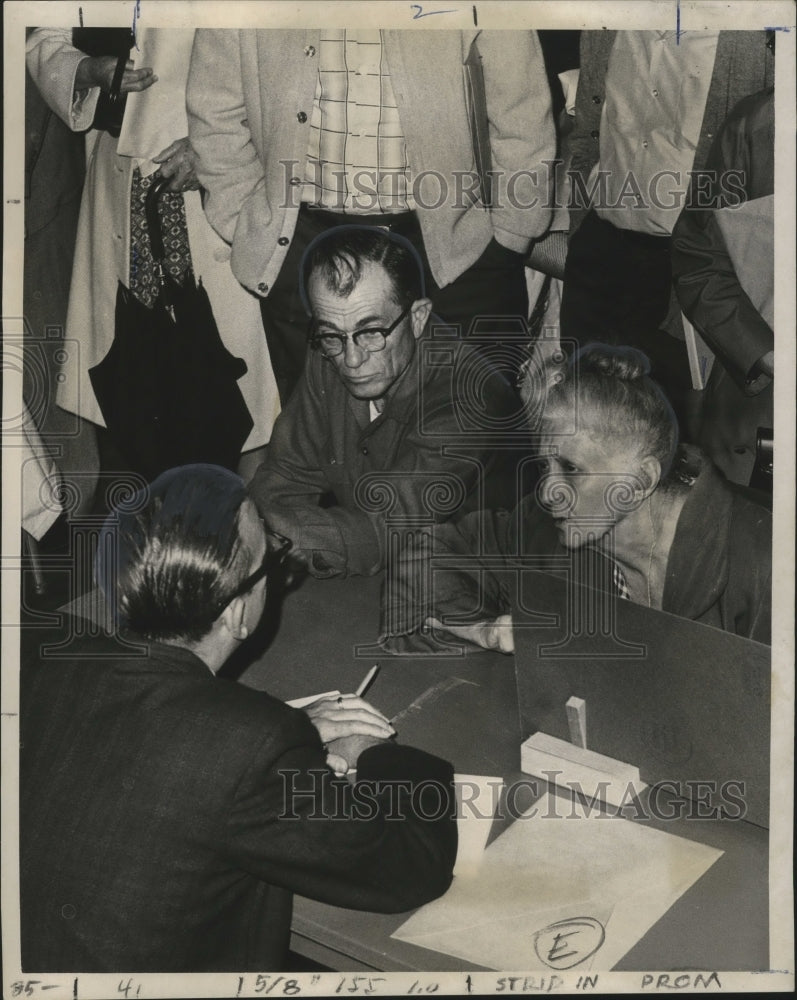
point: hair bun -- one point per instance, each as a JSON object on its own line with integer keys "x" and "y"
{"x": 624, "y": 363}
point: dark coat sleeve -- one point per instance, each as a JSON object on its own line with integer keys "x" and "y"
{"x": 739, "y": 168}
{"x": 290, "y": 483}
{"x": 747, "y": 599}
{"x": 427, "y": 466}
{"x": 385, "y": 843}
{"x": 451, "y": 572}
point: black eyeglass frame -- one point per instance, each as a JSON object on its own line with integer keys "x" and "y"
{"x": 274, "y": 557}
{"x": 316, "y": 338}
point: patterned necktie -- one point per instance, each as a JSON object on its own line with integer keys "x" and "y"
{"x": 144, "y": 282}
{"x": 620, "y": 585}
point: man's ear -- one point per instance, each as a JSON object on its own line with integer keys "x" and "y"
{"x": 233, "y": 618}
{"x": 419, "y": 314}
{"x": 649, "y": 474}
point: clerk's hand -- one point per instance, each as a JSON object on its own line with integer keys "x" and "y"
{"x": 489, "y": 635}
{"x": 98, "y": 71}
{"x": 345, "y": 716}
{"x": 344, "y": 753}
{"x": 178, "y": 161}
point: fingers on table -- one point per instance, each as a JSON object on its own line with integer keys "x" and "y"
{"x": 358, "y": 720}
{"x": 341, "y": 727}
{"x": 332, "y": 707}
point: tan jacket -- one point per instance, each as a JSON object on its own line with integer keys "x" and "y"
{"x": 249, "y": 91}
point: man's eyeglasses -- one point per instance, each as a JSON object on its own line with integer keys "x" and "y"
{"x": 277, "y": 548}
{"x": 371, "y": 339}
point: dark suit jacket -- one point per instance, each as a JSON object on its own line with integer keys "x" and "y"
{"x": 156, "y": 832}
{"x": 736, "y": 401}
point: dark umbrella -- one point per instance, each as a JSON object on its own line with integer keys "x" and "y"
{"x": 168, "y": 387}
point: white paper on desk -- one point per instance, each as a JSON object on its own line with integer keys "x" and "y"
{"x": 477, "y": 798}
{"x": 603, "y": 880}
{"x": 311, "y": 699}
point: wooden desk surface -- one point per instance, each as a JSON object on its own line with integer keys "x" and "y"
{"x": 469, "y": 715}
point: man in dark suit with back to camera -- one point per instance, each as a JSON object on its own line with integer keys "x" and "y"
{"x": 167, "y": 815}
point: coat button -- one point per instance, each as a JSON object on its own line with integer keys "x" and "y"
{"x": 301, "y": 117}
{"x": 262, "y": 287}
{"x": 365, "y": 451}
{"x": 283, "y": 241}
{"x": 68, "y": 911}
{"x": 596, "y": 98}
{"x": 594, "y": 133}
{"x": 309, "y": 50}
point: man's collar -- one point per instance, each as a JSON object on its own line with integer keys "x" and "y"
{"x": 175, "y": 657}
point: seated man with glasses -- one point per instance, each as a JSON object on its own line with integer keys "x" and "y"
{"x": 167, "y": 815}
{"x": 387, "y": 420}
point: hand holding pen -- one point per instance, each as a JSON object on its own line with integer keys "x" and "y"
{"x": 349, "y": 715}
{"x": 350, "y": 723}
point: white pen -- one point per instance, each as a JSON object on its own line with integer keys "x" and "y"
{"x": 366, "y": 682}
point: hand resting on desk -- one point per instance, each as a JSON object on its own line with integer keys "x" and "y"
{"x": 489, "y": 635}
{"x": 344, "y": 753}
{"x": 343, "y": 724}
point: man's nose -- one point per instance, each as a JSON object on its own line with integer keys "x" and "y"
{"x": 353, "y": 356}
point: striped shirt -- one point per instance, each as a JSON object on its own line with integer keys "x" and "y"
{"x": 357, "y": 156}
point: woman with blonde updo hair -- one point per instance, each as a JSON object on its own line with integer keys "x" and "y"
{"x": 610, "y": 438}
{"x": 677, "y": 535}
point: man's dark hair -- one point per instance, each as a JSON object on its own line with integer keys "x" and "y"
{"x": 340, "y": 253}
{"x": 167, "y": 558}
